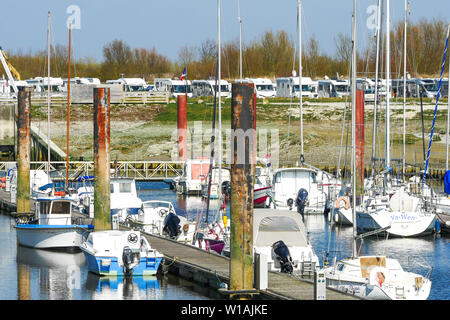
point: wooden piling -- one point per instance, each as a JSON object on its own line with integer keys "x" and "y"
{"x": 102, "y": 174}
{"x": 182, "y": 126}
{"x": 242, "y": 173}
{"x": 23, "y": 151}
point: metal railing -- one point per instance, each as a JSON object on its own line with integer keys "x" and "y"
{"x": 139, "y": 170}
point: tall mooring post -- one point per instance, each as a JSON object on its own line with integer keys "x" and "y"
{"x": 23, "y": 151}
{"x": 102, "y": 174}
{"x": 359, "y": 130}
{"x": 182, "y": 126}
{"x": 243, "y": 155}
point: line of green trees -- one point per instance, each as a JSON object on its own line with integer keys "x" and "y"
{"x": 272, "y": 54}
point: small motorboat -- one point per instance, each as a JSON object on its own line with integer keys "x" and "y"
{"x": 159, "y": 218}
{"x": 53, "y": 226}
{"x": 120, "y": 253}
{"x": 280, "y": 235}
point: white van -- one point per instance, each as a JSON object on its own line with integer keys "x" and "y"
{"x": 130, "y": 84}
{"x": 264, "y": 87}
{"x": 333, "y": 88}
{"x": 202, "y": 88}
{"x": 175, "y": 87}
{"x": 290, "y": 87}
{"x": 40, "y": 84}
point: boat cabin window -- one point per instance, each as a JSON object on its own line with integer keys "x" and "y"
{"x": 112, "y": 188}
{"x": 154, "y": 205}
{"x": 59, "y": 207}
{"x": 124, "y": 187}
{"x": 44, "y": 207}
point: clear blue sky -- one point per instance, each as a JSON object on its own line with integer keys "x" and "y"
{"x": 169, "y": 24}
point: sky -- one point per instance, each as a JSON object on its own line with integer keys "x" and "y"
{"x": 167, "y": 25}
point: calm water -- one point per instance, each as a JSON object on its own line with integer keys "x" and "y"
{"x": 38, "y": 274}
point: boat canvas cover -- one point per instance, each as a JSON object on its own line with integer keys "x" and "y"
{"x": 270, "y": 226}
{"x": 367, "y": 263}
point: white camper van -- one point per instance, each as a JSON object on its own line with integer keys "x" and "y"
{"x": 202, "y": 88}
{"x": 40, "y": 84}
{"x": 264, "y": 87}
{"x": 175, "y": 86}
{"x": 130, "y": 84}
{"x": 333, "y": 88}
{"x": 290, "y": 87}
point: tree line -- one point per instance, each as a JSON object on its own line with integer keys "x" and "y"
{"x": 273, "y": 54}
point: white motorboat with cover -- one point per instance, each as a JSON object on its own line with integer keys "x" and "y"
{"x": 281, "y": 236}
{"x": 159, "y": 218}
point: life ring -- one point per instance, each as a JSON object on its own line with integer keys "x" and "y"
{"x": 345, "y": 199}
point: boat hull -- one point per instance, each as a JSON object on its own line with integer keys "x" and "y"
{"x": 52, "y": 236}
{"x": 260, "y": 195}
{"x": 109, "y": 266}
{"x": 402, "y": 224}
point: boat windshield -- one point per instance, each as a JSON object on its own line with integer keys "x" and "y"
{"x": 154, "y": 205}
{"x": 59, "y": 207}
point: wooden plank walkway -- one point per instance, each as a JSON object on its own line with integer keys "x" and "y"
{"x": 212, "y": 270}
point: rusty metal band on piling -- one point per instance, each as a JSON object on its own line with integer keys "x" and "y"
{"x": 102, "y": 175}
{"x": 23, "y": 151}
{"x": 242, "y": 175}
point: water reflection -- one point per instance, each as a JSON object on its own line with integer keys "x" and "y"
{"x": 135, "y": 288}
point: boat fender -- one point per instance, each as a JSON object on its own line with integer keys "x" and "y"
{"x": 346, "y": 202}
{"x": 437, "y": 226}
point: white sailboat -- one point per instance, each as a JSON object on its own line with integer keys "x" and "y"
{"x": 288, "y": 182}
{"x": 372, "y": 277}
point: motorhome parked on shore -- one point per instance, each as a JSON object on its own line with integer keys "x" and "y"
{"x": 333, "y": 88}
{"x": 176, "y": 87}
{"x": 290, "y": 87}
{"x": 263, "y": 86}
{"x": 130, "y": 84}
{"x": 203, "y": 88}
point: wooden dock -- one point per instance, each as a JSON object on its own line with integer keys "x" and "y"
{"x": 212, "y": 270}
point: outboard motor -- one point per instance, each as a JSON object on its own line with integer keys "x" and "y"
{"x": 131, "y": 259}
{"x": 290, "y": 203}
{"x": 283, "y": 256}
{"x": 300, "y": 202}
{"x": 172, "y": 225}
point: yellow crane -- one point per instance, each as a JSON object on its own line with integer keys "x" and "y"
{"x": 13, "y": 70}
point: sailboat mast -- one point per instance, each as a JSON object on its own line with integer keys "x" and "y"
{"x": 240, "y": 40}
{"x": 388, "y": 88}
{"x": 354, "y": 253}
{"x": 374, "y": 135}
{"x": 219, "y": 100}
{"x": 299, "y": 21}
{"x": 68, "y": 112}
{"x": 448, "y": 112}
{"x": 404, "y": 91}
{"x": 48, "y": 94}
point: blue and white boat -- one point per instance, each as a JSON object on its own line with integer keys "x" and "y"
{"x": 120, "y": 253}
{"x": 53, "y": 226}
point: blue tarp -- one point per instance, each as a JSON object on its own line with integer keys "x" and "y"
{"x": 447, "y": 182}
